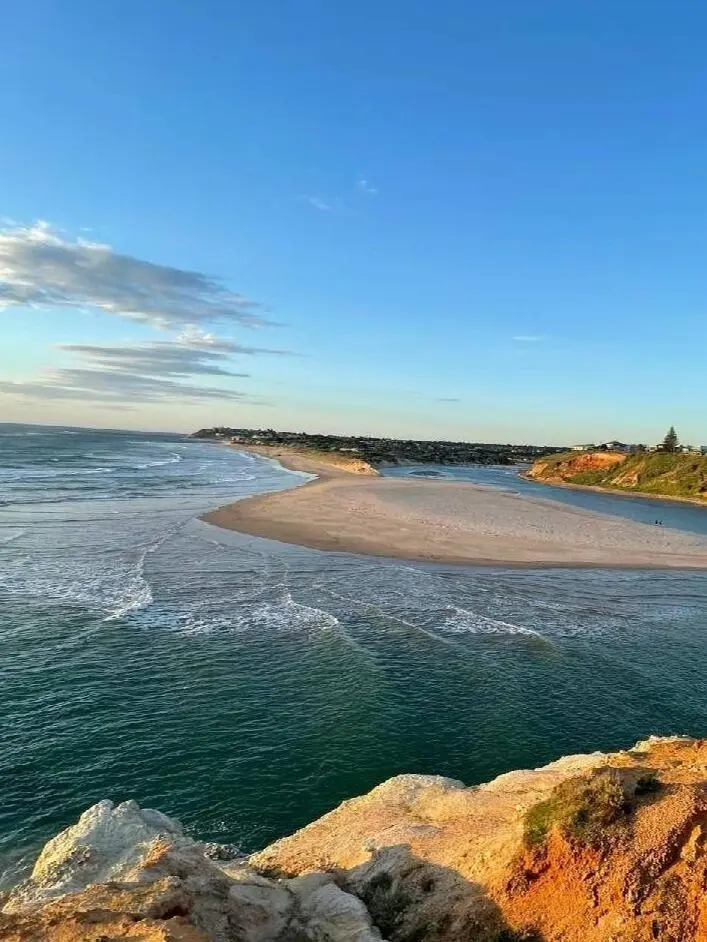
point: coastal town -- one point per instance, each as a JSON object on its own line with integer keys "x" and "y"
{"x": 625, "y": 449}
{"x": 382, "y": 451}
{"x": 385, "y": 451}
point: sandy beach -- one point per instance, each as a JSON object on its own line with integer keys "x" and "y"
{"x": 349, "y": 511}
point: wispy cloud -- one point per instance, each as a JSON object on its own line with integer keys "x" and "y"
{"x": 316, "y": 203}
{"x": 527, "y": 338}
{"x": 165, "y": 358}
{"x": 143, "y": 372}
{"x": 448, "y": 399}
{"x": 152, "y": 359}
{"x": 342, "y": 202}
{"x": 102, "y": 386}
{"x": 365, "y": 187}
{"x": 41, "y": 268}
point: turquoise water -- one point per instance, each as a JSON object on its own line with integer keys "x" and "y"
{"x": 247, "y": 687}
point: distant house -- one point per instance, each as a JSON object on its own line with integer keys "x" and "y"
{"x": 615, "y": 446}
{"x": 680, "y": 449}
{"x": 583, "y": 447}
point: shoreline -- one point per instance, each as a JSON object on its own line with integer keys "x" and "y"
{"x": 309, "y": 462}
{"x": 617, "y": 492}
{"x": 446, "y": 522}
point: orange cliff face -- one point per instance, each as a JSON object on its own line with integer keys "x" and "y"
{"x": 436, "y": 861}
{"x": 681, "y": 476}
{"x": 576, "y": 464}
{"x": 591, "y": 848}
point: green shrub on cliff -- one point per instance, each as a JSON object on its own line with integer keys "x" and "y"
{"x": 582, "y": 808}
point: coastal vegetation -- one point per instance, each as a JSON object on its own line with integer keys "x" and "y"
{"x": 585, "y": 809}
{"x": 383, "y": 451}
{"x": 659, "y": 474}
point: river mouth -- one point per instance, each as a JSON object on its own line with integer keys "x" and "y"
{"x": 687, "y": 517}
{"x": 247, "y": 687}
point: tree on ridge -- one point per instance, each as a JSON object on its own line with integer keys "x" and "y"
{"x": 670, "y": 442}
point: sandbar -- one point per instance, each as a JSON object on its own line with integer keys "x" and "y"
{"x": 349, "y": 508}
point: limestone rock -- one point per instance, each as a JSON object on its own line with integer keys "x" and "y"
{"x": 328, "y": 914}
{"x": 126, "y": 872}
{"x": 418, "y": 859}
{"x": 107, "y": 843}
{"x": 263, "y": 909}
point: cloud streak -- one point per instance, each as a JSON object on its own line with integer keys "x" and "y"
{"x": 165, "y": 358}
{"x": 106, "y": 386}
{"x": 40, "y": 268}
{"x": 340, "y": 203}
{"x": 365, "y": 187}
{"x": 527, "y": 338}
{"x": 161, "y": 359}
{"x": 316, "y": 203}
{"x": 138, "y": 373}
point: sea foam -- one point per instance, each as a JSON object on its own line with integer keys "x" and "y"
{"x": 462, "y": 621}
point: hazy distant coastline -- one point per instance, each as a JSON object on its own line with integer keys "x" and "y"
{"x": 379, "y": 452}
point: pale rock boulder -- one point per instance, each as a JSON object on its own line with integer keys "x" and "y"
{"x": 125, "y": 862}
{"x": 108, "y": 843}
{"x": 263, "y": 909}
{"x": 329, "y": 914}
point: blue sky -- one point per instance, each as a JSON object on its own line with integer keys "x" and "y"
{"x": 460, "y": 220}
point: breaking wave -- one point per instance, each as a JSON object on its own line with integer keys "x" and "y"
{"x": 137, "y": 594}
{"x": 281, "y": 615}
{"x": 462, "y": 621}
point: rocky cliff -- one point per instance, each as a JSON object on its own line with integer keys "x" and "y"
{"x": 594, "y": 847}
{"x": 655, "y": 475}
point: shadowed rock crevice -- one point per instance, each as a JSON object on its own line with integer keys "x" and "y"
{"x": 411, "y": 900}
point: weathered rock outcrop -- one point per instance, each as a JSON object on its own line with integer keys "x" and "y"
{"x": 130, "y": 873}
{"x": 659, "y": 474}
{"x": 568, "y": 465}
{"x": 593, "y": 848}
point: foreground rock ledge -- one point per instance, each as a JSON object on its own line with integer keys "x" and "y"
{"x": 418, "y": 858}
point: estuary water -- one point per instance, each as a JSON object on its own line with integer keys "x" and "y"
{"x": 246, "y": 687}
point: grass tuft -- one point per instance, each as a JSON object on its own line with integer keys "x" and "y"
{"x": 582, "y": 808}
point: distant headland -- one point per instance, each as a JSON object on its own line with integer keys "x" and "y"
{"x": 383, "y": 451}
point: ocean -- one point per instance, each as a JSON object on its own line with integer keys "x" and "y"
{"x": 247, "y": 687}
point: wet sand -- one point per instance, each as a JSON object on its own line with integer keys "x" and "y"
{"x": 446, "y": 521}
